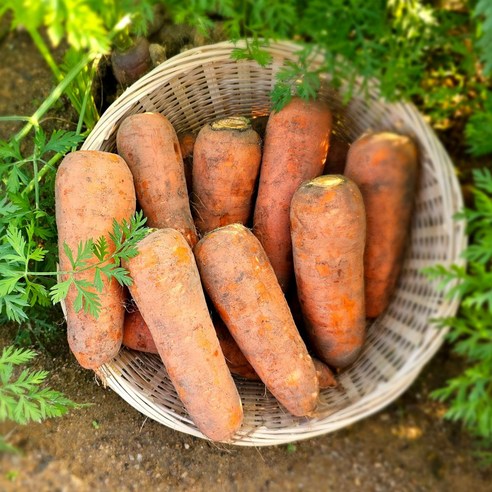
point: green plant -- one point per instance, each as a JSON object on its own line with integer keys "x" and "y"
{"x": 23, "y": 395}
{"x": 71, "y": 19}
{"x": 470, "y": 332}
{"x": 27, "y": 228}
{"x": 28, "y": 237}
{"x": 413, "y": 50}
{"x": 378, "y": 39}
{"x": 90, "y": 28}
{"x": 28, "y": 247}
{"x": 125, "y": 236}
{"x": 29, "y": 279}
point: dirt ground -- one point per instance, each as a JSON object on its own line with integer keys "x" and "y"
{"x": 109, "y": 446}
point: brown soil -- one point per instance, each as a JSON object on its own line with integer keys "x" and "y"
{"x": 110, "y": 446}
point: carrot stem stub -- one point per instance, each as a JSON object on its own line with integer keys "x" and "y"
{"x": 167, "y": 290}
{"x": 328, "y": 235}
{"x": 226, "y": 162}
{"x": 241, "y": 282}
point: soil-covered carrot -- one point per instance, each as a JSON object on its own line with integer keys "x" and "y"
{"x": 242, "y": 285}
{"x": 326, "y": 379}
{"x": 187, "y": 145}
{"x": 337, "y": 155}
{"x": 131, "y": 64}
{"x": 295, "y": 148}
{"x": 385, "y": 167}
{"x": 92, "y": 190}
{"x": 236, "y": 361}
{"x": 136, "y": 333}
{"x": 328, "y": 236}
{"x": 149, "y": 145}
{"x": 226, "y": 162}
{"x": 167, "y": 290}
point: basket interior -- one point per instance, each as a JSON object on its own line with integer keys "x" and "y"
{"x": 206, "y": 84}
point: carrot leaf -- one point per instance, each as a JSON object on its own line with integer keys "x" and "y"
{"x": 100, "y": 248}
{"x": 96, "y": 255}
{"x": 469, "y": 395}
{"x": 23, "y": 394}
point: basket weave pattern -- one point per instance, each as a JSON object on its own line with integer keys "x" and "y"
{"x": 203, "y": 84}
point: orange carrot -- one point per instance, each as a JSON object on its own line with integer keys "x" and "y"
{"x": 296, "y": 143}
{"x": 187, "y": 145}
{"x": 92, "y": 189}
{"x": 242, "y": 285}
{"x": 226, "y": 162}
{"x": 136, "y": 334}
{"x": 167, "y": 289}
{"x": 236, "y": 361}
{"x": 337, "y": 155}
{"x": 385, "y": 167}
{"x": 149, "y": 145}
{"x": 328, "y": 236}
{"x": 326, "y": 379}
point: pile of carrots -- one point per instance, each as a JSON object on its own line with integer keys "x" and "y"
{"x": 265, "y": 257}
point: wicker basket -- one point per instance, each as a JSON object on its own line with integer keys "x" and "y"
{"x": 203, "y": 84}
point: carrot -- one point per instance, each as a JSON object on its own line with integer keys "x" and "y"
{"x": 385, "y": 167}
{"x": 337, "y": 155}
{"x": 326, "y": 379}
{"x": 187, "y": 145}
{"x": 136, "y": 334}
{"x": 167, "y": 290}
{"x": 149, "y": 145}
{"x": 296, "y": 143}
{"x": 236, "y": 361}
{"x": 328, "y": 236}
{"x": 242, "y": 285}
{"x": 92, "y": 189}
{"x": 132, "y": 63}
{"x": 226, "y": 162}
